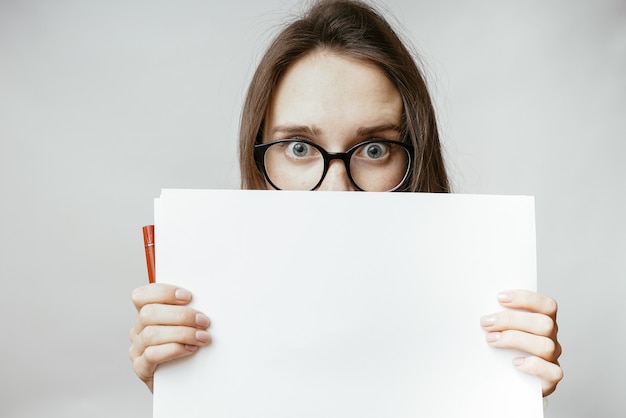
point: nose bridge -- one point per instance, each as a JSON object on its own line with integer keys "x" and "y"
{"x": 342, "y": 156}
{"x": 337, "y": 178}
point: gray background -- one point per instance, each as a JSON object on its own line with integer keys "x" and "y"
{"x": 103, "y": 103}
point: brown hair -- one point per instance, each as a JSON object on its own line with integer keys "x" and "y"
{"x": 354, "y": 29}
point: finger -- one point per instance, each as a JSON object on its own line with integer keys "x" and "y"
{"x": 539, "y": 346}
{"x": 159, "y": 335}
{"x": 160, "y": 293}
{"x": 157, "y": 314}
{"x": 146, "y": 364}
{"x": 549, "y": 373}
{"x": 530, "y": 301}
{"x": 534, "y": 323}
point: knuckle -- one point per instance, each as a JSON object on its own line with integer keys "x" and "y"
{"x": 558, "y": 351}
{"x": 137, "y": 296}
{"x": 557, "y": 375}
{"x": 136, "y": 366}
{"x": 546, "y": 325}
{"x": 182, "y": 335}
{"x": 181, "y": 315}
{"x": 151, "y": 355}
{"x": 547, "y": 348}
{"x": 551, "y": 306}
{"x": 146, "y": 313}
{"x": 149, "y": 335}
{"x": 552, "y": 374}
{"x": 141, "y": 370}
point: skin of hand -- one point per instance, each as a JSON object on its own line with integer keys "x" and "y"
{"x": 529, "y": 326}
{"x": 165, "y": 328}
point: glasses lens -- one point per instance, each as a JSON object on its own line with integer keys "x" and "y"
{"x": 294, "y": 165}
{"x": 379, "y": 166}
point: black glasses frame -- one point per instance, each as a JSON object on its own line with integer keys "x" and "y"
{"x": 261, "y": 149}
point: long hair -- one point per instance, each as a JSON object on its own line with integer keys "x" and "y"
{"x": 354, "y": 29}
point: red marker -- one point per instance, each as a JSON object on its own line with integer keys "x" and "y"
{"x": 148, "y": 241}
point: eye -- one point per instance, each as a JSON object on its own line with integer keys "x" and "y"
{"x": 376, "y": 150}
{"x": 299, "y": 149}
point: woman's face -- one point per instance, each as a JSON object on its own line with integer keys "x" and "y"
{"x": 335, "y": 102}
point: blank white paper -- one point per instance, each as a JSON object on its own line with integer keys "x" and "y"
{"x": 340, "y": 304}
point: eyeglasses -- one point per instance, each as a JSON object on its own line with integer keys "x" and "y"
{"x": 297, "y": 164}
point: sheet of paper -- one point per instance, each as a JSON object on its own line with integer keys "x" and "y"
{"x": 341, "y": 304}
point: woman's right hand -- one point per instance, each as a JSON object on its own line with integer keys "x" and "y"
{"x": 165, "y": 328}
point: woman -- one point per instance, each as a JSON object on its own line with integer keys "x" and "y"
{"x": 338, "y": 103}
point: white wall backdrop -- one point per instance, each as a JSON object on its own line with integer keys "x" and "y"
{"x": 103, "y": 103}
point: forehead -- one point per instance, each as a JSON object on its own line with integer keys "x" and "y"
{"x": 332, "y": 91}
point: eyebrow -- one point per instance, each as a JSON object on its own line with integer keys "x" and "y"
{"x": 294, "y": 129}
{"x": 313, "y": 130}
{"x": 368, "y": 130}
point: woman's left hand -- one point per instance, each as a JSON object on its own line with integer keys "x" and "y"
{"x": 530, "y": 327}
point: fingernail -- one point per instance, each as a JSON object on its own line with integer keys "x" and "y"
{"x": 505, "y": 297}
{"x": 189, "y": 347}
{"x": 202, "y": 320}
{"x": 488, "y": 320}
{"x": 517, "y": 361}
{"x": 182, "y": 294}
{"x": 493, "y": 336}
{"x": 203, "y": 336}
